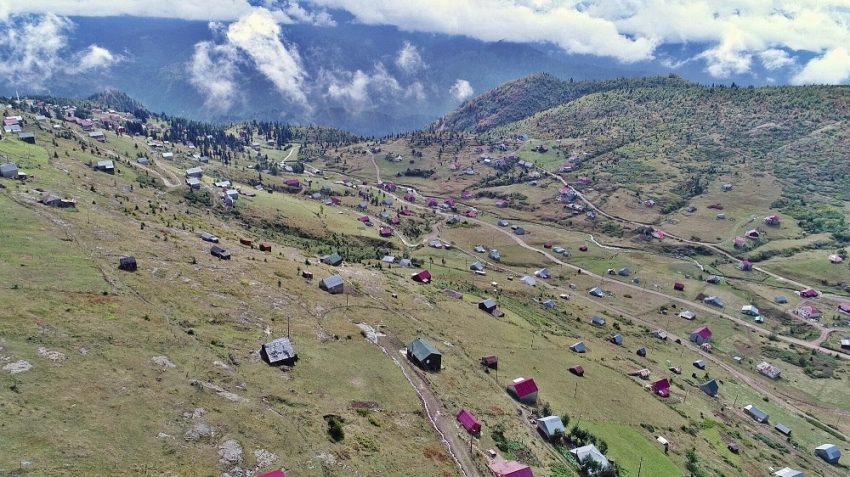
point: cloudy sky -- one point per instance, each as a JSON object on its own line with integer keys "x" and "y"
{"x": 783, "y": 41}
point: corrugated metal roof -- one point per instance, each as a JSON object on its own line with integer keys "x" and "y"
{"x": 333, "y": 281}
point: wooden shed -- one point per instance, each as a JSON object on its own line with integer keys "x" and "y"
{"x": 266, "y": 247}
{"x": 245, "y": 241}
{"x": 491, "y": 362}
{"x": 128, "y": 264}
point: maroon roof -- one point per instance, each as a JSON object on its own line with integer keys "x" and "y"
{"x": 405, "y": 212}
{"x": 524, "y": 388}
{"x": 276, "y": 473}
{"x": 679, "y": 286}
{"x": 292, "y": 182}
{"x": 661, "y": 387}
{"x": 577, "y": 370}
{"x": 431, "y": 202}
{"x": 396, "y": 221}
{"x": 450, "y": 202}
{"x": 510, "y": 468}
{"x": 703, "y": 332}
{"x": 845, "y": 307}
{"x": 365, "y": 219}
{"x": 808, "y": 293}
{"x": 424, "y": 276}
{"x": 386, "y": 231}
{"x": 468, "y": 421}
{"x": 490, "y": 360}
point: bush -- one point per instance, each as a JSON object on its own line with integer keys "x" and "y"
{"x": 335, "y": 430}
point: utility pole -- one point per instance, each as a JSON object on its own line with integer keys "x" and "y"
{"x": 736, "y": 402}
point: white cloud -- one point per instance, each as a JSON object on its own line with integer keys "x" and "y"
{"x": 831, "y": 68}
{"x": 211, "y": 71}
{"x": 774, "y": 59}
{"x": 409, "y": 60}
{"x": 94, "y": 58}
{"x": 461, "y": 90}
{"x": 727, "y": 58}
{"x": 416, "y": 91}
{"x": 257, "y": 35}
{"x": 33, "y": 49}
{"x": 358, "y": 91}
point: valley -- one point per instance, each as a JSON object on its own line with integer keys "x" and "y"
{"x": 604, "y": 206}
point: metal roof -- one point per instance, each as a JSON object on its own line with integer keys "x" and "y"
{"x": 279, "y": 350}
{"x": 421, "y": 349}
{"x": 333, "y": 281}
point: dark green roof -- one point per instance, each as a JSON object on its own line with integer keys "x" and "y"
{"x": 422, "y": 349}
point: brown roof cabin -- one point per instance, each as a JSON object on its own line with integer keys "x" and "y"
{"x": 307, "y": 274}
{"x": 491, "y": 362}
{"x": 733, "y": 448}
{"x": 128, "y": 264}
{"x": 266, "y": 247}
{"x": 577, "y": 370}
{"x": 245, "y": 241}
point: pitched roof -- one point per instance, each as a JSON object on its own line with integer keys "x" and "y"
{"x": 710, "y": 387}
{"x": 550, "y": 424}
{"x": 489, "y": 303}
{"x": 524, "y": 387}
{"x": 332, "y": 281}
{"x": 275, "y": 473}
{"x": 468, "y": 421}
{"x": 579, "y": 347}
{"x": 510, "y": 468}
{"x": 421, "y": 348}
{"x": 424, "y": 276}
{"x": 703, "y": 332}
{"x": 590, "y": 451}
{"x": 279, "y": 350}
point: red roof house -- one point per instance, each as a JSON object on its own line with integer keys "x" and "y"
{"x": 772, "y": 220}
{"x": 410, "y": 198}
{"x": 395, "y": 221}
{"x": 468, "y": 421}
{"x": 679, "y": 286}
{"x": 577, "y": 370}
{"x": 431, "y": 202}
{"x": 501, "y": 203}
{"x": 661, "y": 387}
{"x": 583, "y": 248}
{"x": 276, "y": 473}
{"x": 406, "y": 212}
{"x": 365, "y": 219}
{"x": 292, "y": 183}
{"x": 385, "y": 232}
{"x": 466, "y": 194}
{"x": 524, "y": 389}
{"x": 809, "y": 312}
{"x": 809, "y": 293}
{"x": 740, "y": 242}
{"x": 389, "y": 187}
{"x": 701, "y": 335}
{"x": 510, "y": 468}
{"x": 449, "y": 202}
{"x": 844, "y": 308}
{"x": 491, "y": 361}
{"x": 423, "y": 277}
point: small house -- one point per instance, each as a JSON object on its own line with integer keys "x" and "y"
{"x": 726, "y": 187}
{"x": 590, "y": 452}
{"x": 220, "y": 253}
{"x": 469, "y": 422}
{"x": 549, "y": 304}
{"x": 435, "y": 244}
{"x": 388, "y": 259}
{"x": 480, "y": 249}
{"x": 279, "y": 353}
{"x": 28, "y": 137}
{"x": 143, "y": 161}
{"x": 477, "y": 267}
{"x": 597, "y": 321}
{"x": 363, "y": 205}
{"x": 597, "y": 292}
{"x": 169, "y": 156}
{"x": 549, "y": 425}
{"x": 422, "y": 277}
{"x": 577, "y": 370}
{"x": 410, "y": 198}
{"x": 528, "y": 281}
{"x": 843, "y": 308}
{"x": 784, "y": 430}
{"x": 489, "y": 305}
{"x": 453, "y": 220}
{"x": 524, "y": 390}
{"x": 661, "y": 387}
{"x": 194, "y": 183}
{"x": 768, "y": 370}
{"x": 617, "y": 339}
{"x": 699, "y": 364}
{"x": 504, "y": 223}
{"x": 829, "y": 453}
{"x": 97, "y": 136}
{"x": 405, "y": 262}
{"x": 265, "y": 247}
{"x": 194, "y": 172}
{"x": 701, "y": 335}
{"x": 307, "y": 274}
{"x": 809, "y": 312}
{"x": 9, "y": 171}
{"x": 713, "y": 301}
{"x": 106, "y": 166}
{"x": 772, "y": 220}
{"x": 333, "y": 260}
{"x": 809, "y": 293}
{"x": 128, "y": 264}
{"x": 739, "y": 242}
{"x": 679, "y": 286}
{"x": 292, "y": 184}
{"x": 688, "y": 315}
{"x": 745, "y": 266}
{"x": 787, "y": 472}
{"x": 733, "y": 448}
{"x": 753, "y": 234}
{"x": 543, "y": 273}
{"x": 721, "y": 216}
{"x": 660, "y": 334}
{"x": 495, "y": 255}
{"x": 578, "y": 347}
{"x": 756, "y": 413}
{"x": 385, "y": 232}
{"x": 491, "y": 362}
{"x": 510, "y": 468}
{"x": 781, "y": 299}
{"x": 333, "y": 285}
{"x": 749, "y": 310}
{"x": 519, "y": 231}
{"x": 247, "y": 242}
{"x": 835, "y": 258}
{"x": 710, "y": 387}
{"x": 624, "y": 272}
{"x": 207, "y": 237}
{"x": 714, "y": 280}
{"x": 641, "y": 352}
{"x": 423, "y": 354}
